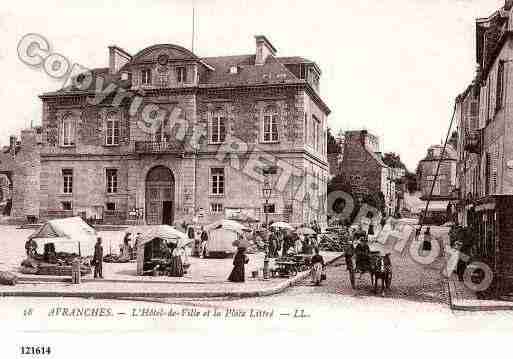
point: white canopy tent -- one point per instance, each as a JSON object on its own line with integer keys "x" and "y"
{"x": 149, "y": 233}
{"x": 227, "y": 224}
{"x": 70, "y": 235}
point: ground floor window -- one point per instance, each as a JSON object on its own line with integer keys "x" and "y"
{"x": 112, "y": 180}
{"x": 66, "y": 206}
{"x": 217, "y": 181}
{"x": 216, "y": 207}
{"x": 67, "y": 179}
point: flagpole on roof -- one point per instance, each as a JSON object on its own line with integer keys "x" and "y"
{"x": 193, "y": 25}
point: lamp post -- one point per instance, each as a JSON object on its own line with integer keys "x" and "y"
{"x": 266, "y": 192}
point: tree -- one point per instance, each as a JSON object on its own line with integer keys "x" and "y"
{"x": 411, "y": 182}
{"x": 333, "y": 146}
{"x": 393, "y": 160}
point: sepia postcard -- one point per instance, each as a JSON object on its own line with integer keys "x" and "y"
{"x": 248, "y": 178}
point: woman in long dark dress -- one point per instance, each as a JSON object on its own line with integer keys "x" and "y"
{"x": 176, "y": 265}
{"x": 239, "y": 261}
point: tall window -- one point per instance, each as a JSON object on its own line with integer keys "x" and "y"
{"x": 112, "y": 180}
{"x": 146, "y": 77}
{"x": 218, "y": 128}
{"x": 270, "y": 125}
{"x": 315, "y": 134}
{"x": 67, "y": 180}
{"x": 500, "y": 86}
{"x": 181, "y": 74}
{"x": 112, "y": 129}
{"x": 306, "y": 128}
{"x": 67, "y": 131}
{"x": 217, "y": 181}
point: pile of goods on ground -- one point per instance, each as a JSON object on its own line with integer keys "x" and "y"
{"x": 114, "y": 258}
{"x": 335, "y": 240}
{"x": 59, "y": 265}
{"x": 8, "y": 278}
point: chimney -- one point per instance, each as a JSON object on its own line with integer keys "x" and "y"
{"x": 363, "y": 137}
{"x": 12, "y": 146}
{"x": 264, "y": 48}
{"x": 117, "y": 58}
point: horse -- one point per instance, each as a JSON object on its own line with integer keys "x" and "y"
{"x": 381, "y": 269}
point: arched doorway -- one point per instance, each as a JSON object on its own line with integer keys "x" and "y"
{"x": 160, "y": 189}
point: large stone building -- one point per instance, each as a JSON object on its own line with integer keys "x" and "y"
{"x": 164, "y": 135}
{"x": 363, "y": 167}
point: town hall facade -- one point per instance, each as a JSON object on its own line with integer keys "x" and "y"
{"x": 163, "y": 136}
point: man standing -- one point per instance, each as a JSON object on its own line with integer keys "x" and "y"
{"x": 98, "y": 258}
{"x": 31, "y": 248}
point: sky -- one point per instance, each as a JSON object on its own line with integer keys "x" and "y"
{"x": 392, "y": 67}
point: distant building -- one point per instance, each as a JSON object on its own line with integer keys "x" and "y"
{"x": 445, "y": 183}
{"x": 364, "y": 169}
{"x": 335, "y": 159}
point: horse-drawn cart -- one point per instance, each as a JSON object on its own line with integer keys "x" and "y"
{"x": 378, "y": 267}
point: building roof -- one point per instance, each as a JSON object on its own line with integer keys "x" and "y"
{"x": 449, "y": 154}
{"x": 218, "y": 72}
{"x": 271, "y": 72}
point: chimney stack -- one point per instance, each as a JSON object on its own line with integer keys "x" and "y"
{"x": 117, "y": 58}
{"x": 12, "y": 146}
{"x": 264, "y": 48}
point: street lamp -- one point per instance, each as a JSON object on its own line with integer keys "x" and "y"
{"x": 266, "y": 191}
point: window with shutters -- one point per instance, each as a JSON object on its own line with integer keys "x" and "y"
{"x": 487, "y": 173}
{"x": 488, "y": 101}
{"x": 494, "y": 168}
{"x": 217, "y": 128}
{"x": 499, "y": 92}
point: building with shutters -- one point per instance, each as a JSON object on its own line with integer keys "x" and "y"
{"x": 163, "y": 136}
{"x": 485, "y": 150}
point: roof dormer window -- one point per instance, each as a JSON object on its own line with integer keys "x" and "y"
{"x": 234, "y": 69}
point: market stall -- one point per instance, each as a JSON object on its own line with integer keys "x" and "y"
{"x": 153, "y": 255}
{"x": 221, "y": 236}
{"x": 57, "y": 244}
